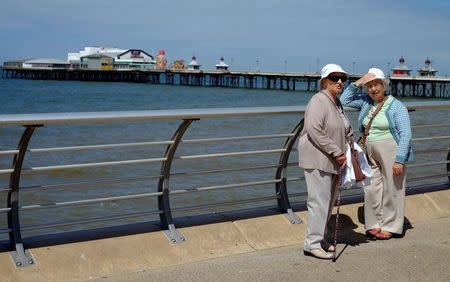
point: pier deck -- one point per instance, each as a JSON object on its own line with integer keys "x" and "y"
{"x": 412, "y": 86}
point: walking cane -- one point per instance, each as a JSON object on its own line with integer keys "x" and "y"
{"x": 338, "y": 203}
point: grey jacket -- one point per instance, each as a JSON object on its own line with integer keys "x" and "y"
{"x": 323, "y": 135}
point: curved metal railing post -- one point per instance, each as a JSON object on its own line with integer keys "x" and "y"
{"x": 166, "y": 220}
{"x": 21, "y": 256}
{"x": 281, "y": 187}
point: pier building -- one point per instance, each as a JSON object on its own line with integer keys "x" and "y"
{"x": 45, "y": 64}
{"x": 75, "y": 57}
{"x": 96, "y": 62}
{"x": 193, "y": 65}
{"x": 401, "y": 69}
{"x": 427, "y": 69}
{"x": 222, "y": 66}
{"x": 17, "y": 64}
{"x": 134, "y": 59}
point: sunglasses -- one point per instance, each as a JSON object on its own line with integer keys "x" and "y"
{"x": 335, "y": 78}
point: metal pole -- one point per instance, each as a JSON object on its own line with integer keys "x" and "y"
{"x": 281, "y": 187}
{"x": 338, "y": 203}
{"x": 20, "y": 256}
{"x": 166, "y": 219}
{"x": 448, "y": 166}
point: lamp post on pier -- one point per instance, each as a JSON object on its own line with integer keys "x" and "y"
{"x": 317, "y": 65}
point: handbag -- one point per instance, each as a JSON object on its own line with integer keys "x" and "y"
{"x": 359, "y": 175}
{"x": 362, "y": 140}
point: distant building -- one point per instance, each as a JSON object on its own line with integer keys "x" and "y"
{"x": 99, "y": 58}
{"x": 427, "y": 69}
{"x": 75, "y": 58}
{"x": 45, "y": 64}
{"x": 221, "y": 65}
{"x": 193, "y": 65}
{"x": 402, "y": 69}
{"x": 97, "y": 62}
{"x": 134, "y": 59}
{"x": 15, "y": 63}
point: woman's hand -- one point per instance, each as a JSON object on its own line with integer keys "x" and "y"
{"x": 364, "y": 79}
{"x": 341, "y": 160}
{"x": 397, "y": 169}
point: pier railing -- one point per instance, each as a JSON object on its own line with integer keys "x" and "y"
{"x": 52, "y": 187}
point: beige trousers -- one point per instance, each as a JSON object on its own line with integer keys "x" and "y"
{"x": 384, "y": 199}
{"x": 322, "y": 193}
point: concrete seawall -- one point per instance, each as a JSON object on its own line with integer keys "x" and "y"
{"x": 134, "y": 253}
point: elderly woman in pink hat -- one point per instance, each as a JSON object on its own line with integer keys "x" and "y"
{"x": 321, "y": 148}
{"x": 385, "y": 127}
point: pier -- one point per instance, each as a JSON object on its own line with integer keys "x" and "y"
{"x": 408, "y": 86}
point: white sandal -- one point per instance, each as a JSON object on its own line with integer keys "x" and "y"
{"x": 317, "y": 253}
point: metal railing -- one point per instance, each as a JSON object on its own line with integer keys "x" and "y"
{"x": 163, "y": 193}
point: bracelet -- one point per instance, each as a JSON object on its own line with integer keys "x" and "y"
{"x": 354, "y": 84}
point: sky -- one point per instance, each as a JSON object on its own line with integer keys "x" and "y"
{"x": 265, "y": 35}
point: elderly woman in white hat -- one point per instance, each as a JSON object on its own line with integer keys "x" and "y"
{"x": 385, "y": 126}
{"x": 321, "y": 147}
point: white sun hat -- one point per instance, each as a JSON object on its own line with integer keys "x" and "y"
{"x": 379, "y": 74}
{"x": 330, "y": 68}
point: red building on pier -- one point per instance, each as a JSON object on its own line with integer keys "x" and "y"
{"x": 402, "y": 69}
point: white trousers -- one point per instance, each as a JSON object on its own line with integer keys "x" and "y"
{"x": 322, "y": 193}
{"x": 384, "y": 199}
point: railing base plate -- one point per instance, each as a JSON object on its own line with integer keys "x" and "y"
{"x": 292, "y": 217}
{"x": 23, "y": 259}
{"x": 174, "y": 235}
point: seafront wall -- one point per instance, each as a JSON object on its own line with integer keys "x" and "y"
{"x": 140, "y": 252}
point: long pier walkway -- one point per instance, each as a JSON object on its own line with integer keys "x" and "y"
{"x": 410, "y": 86}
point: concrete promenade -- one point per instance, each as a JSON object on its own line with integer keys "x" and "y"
{"x": 422, "y": 255}
{"x": 255, "y": 249}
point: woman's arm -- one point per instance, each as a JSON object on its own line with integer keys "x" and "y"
{"x": 349, "y": 99}
{"x": 403, "y": 126}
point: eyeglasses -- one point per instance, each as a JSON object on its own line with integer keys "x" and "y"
{"x": 335, "y": 78}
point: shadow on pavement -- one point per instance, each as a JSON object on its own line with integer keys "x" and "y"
{"x": 346, "y": 231}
